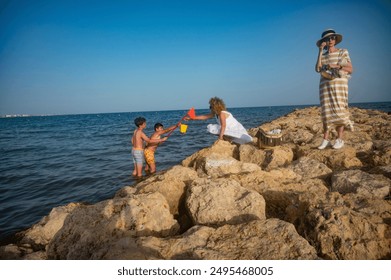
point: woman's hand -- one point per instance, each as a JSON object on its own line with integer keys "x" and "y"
{"x": 321, "y": 47}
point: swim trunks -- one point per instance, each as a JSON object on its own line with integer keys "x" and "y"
{"x": 138, "y": 156}
{"x": 149, "y": 156}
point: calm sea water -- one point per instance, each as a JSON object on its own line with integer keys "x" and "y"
{"x": 53, "y": 160}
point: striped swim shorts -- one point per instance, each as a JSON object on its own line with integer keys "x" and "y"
{"x": 138, "y": 156}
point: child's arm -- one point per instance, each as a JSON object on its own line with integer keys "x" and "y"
{"x": 168, "y": 129}
{"x": 149, "y": 140}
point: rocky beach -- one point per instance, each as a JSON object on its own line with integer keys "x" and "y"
{"x": 227, "y": 201}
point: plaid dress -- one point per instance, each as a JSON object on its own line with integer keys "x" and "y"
{"x": 333, "y": 94}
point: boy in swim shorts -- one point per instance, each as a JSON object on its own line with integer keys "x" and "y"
{"x": 138, "y": 140}
{"x": 151, "y": 147}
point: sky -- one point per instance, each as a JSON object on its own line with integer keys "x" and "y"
{"x": 75, "y": 57}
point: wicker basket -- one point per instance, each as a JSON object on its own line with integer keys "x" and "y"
{"x": 268, "y": 140}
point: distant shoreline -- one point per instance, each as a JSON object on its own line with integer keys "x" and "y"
{"x": 65, "y": 114}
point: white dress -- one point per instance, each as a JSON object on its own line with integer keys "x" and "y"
{"x": 233, "y": 129}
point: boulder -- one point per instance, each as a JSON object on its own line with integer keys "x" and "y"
{"x": 345, "y": 158}
{"x": 223, "y": 148}
{"x": 384, "y": 170}
{"x": 223, "y": 201}
{"x": 357, "y": 181}
{"x": 171, "y": 184}
{"x": 310, "y": 168}
{"x": 88, "y": 231}
{"x": 252, "y": 154}
{"x": 340, "y": 232}
{"x": 40, "y": 234}
{"x": 278, "y": 156}
{"x": 270, "y": 239}
{"x": 381, "y": 154}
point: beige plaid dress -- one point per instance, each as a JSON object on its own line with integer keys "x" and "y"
{"x": 333, "y": 94}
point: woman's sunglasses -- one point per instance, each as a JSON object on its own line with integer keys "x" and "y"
{"x": 330, "y": 38}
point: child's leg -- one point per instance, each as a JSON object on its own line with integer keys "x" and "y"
{"x": 139, "y": 170}
{"x": 147, "y": 167}
{"x": 152, "y": 168}
{"x": 134, "y": 173}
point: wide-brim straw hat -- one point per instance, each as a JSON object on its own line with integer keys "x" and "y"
{"x": 328, "y": 33}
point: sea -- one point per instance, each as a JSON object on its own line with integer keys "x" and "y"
{"x": 49, "y": 161}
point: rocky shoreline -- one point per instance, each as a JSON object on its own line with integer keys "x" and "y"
{"x": 291, "y": 201}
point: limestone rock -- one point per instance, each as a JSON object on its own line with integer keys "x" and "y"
{"x": 310, "y": 168}
{"x": 344, "y": 158}
{"x": 223, "y": 148}
{"x": 255, "y": 240}
{"x": 342, "y": 233}
{"x": 41, "y": 233}
{"x": 90, "y": 229}
{"x": 384, "y": 170}
{"x": 278, "y": 157}
{"x": 360, "y": 182}
{"x": 382, "y": 153}
{"x": 10, "y": 252}
{"x": 252, "y": 154}
{"x": 222, "y": 201}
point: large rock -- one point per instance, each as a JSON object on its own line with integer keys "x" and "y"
{"x": 90, "y": 230}
{"x": 171, "y": 184}
{"x": 279, "y": 156}
{"x": 345, "y": 158}
{"x": 223, "y": 148}
{"x": 357, "y": 181}
{"x": 252, "y": 154}
{"x": 381, "y": 153}
{"x": 215, "y": 166}
{"x": 310, "y": 168}
{"x": 42, "y": 233}
{"x": 223, "y": 201}
{"x": 220, "y": 160}
{"x": 33, "y": 242}
{"x": 384, "y": 170}
{"x": 339, "y": 229}
{"x": 270, "y": 239}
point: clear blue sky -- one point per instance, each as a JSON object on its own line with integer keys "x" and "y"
{"x": 66, "y": 57}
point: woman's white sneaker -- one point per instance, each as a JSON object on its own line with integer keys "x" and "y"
{"x": 338, "y": 144}
{"x": 324, "y": 144}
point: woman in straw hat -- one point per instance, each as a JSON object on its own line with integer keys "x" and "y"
{"x": 335, "y": 68}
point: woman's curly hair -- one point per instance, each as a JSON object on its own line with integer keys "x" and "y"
{"x": 216, "y": 105}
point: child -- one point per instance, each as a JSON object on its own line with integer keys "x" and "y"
{"x": 138, "y": 145}
{"x": 151, "y": 147}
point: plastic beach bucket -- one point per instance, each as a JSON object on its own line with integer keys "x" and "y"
{"x": 183, "y": 128}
